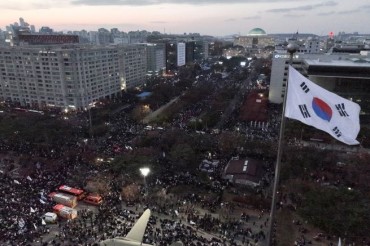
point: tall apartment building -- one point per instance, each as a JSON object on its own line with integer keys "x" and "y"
{"x": 156, "y": 57}
{"x": 134, "y": 57}
{"x": 72, "y": 76}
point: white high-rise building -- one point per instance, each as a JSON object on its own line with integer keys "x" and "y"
{"x": 181, "y": 54}
{"x": 72, "y": 76}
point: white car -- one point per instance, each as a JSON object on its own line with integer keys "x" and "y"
{"x": 50, "y": 218}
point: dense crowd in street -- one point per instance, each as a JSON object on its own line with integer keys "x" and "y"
{"x": 25, "y": 202}
{"x": 192, "y": 218}
{"x": 25, "y": 198}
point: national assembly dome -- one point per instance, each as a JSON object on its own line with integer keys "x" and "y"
{"x": 257, "y": 32}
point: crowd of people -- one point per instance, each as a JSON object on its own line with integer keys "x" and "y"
{"x": 194, "y": 217}
{"x": 24, "y": 202}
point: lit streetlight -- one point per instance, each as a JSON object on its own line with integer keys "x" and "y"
{"x": 145, "y": 171}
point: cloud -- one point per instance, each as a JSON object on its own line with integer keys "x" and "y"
{"x": 345, "y": 12}
{"x": 292, "y": 16}
{"x": 356, "y": 10}
{"x": 32, "y": 4}
{"x": 326, "y": 13}
{"x": 26, "y": 6}
{"x": 252, "y": 17}
{"x": 157, "y": 2}
{"x": 230, "y": 20}
{"x": 304, "y": 7}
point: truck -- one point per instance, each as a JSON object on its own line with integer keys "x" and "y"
{"x": 65, "y": 199}
{"x": 65, "y": 212}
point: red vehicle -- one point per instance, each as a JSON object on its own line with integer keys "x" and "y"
{"x": 93, "y": 199}
{"x": 80, "y": 194}
{"x": 65, "y": 212}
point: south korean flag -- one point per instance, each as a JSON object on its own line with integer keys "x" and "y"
{"x": 322, "y": 109}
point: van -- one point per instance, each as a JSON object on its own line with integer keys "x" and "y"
{"x": 65, "y": 212}
{"x": 148, "y": 127}
{"x": 93, "y": 199}
{"x": 50, "y": 218}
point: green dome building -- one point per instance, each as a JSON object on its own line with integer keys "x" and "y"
{"x": 257, "y": 32}
{"x": 255, "y": 40}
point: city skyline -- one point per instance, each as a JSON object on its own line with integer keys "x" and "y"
{"x": 217, "y": 17}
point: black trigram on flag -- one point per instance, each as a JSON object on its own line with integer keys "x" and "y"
{"x": 341, "y": 110}
{"x": 337, "y": 132}
{"x": 304, "y": 111}
{"x": 305, "y": 87}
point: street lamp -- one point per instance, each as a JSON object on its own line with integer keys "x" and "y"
{"x": 145, "y": 171}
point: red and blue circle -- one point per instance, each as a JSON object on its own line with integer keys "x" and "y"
{"x": 322, "y": 109}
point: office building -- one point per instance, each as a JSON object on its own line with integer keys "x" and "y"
{"x": 189, "y": 52}
{"x": 216, "y": 48}
{"x": 156, "y": 58}
{"x": 346, "y": 74}
{"x": 46, "y": 30}
{"x": 175, "y": 55}
{"x": 196, "y": 51}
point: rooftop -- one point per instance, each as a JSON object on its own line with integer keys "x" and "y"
{"x": 257, "y": 32}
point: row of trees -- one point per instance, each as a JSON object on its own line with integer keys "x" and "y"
{"x": 330, "y": 190}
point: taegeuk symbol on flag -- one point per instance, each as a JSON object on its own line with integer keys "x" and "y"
{"x": 322, "y": 109}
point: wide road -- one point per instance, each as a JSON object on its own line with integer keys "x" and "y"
{"x": 155, "y": 114}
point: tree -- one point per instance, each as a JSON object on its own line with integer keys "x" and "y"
{"x": 341, "y": 212}
{"x": 182, "y": 155}
{"x": 130, "y": 164}
{"x": 139, "y": 112}
{"x": 228, "y": 142}
{"x": 130, "y": 193}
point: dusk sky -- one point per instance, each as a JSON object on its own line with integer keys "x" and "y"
{"x": 212, "y": 17}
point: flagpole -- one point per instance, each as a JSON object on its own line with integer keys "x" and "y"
{"x": 291, "y": 48}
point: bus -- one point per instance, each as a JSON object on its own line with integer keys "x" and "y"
{"x": 65, "y": 199}
{"x": 36, "y": 111}
{"x": 80, "y": 194}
